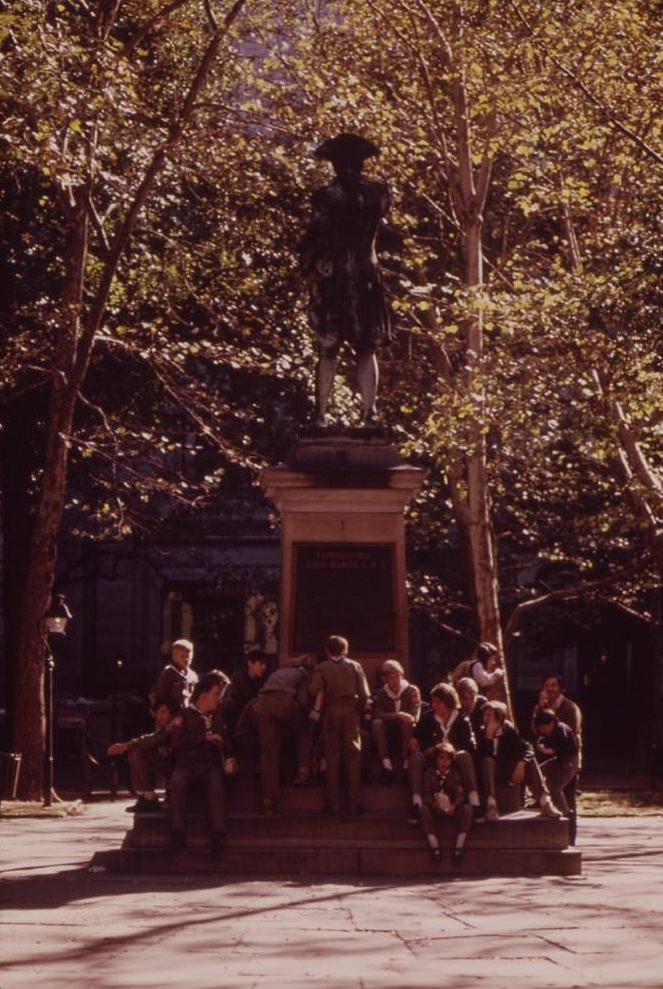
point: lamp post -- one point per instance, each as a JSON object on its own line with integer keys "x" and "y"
{"x": 56, "y": 620}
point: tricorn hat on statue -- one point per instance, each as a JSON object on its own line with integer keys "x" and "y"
{"x": 346, "y": 148}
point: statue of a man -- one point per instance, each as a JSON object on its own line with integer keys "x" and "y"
{"x": 339, "y": 259}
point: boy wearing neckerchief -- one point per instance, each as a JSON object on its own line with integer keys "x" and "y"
{"x": 444, "y": 797}
{"x": 176, "y": 680}
{"x": 396, "y": 709}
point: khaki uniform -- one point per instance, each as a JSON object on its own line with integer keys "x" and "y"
{"x": 346, "y": 696}
{"x": 283, "y": 704}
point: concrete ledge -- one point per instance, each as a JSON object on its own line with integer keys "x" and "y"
{"x": 410, "y": 863}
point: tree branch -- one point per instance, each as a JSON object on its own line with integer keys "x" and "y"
{"x": 175, "y": 134}
{"x": 609, "y": 115}
{"x": 561, "y": 594}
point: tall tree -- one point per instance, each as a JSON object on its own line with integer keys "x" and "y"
{"x": 73, "y": 78}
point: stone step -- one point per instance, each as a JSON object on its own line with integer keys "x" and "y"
{"x": 300, "y": 841}
{"x": 374, "y": 797}
{"x": 247, "y": 797}
{"x": 522, "y": 829}
{"x": 377, "y": 863}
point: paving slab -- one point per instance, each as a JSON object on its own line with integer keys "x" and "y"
{"x": 64, "y": 927}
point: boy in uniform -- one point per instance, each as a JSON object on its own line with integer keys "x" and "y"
{"x": 176, "y": 680}
{"x": 396, "y": 711}
{"x": 342, "y": 696}
{"x": 445, "y": 722}
{"x": 444, "y": 797}
{"x": 202, "y": 752}
{"x": 150, "y": 756}
{"x": 284, "y": 704}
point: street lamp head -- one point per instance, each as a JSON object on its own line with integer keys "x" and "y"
{"x": 57, "y": 616}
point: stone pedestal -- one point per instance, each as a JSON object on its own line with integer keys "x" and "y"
{"x": 341, "y": 502}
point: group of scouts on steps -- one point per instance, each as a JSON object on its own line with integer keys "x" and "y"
{"x": 453, "y": 755}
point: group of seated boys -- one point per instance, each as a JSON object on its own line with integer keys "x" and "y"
{"x": 454, "y": 752}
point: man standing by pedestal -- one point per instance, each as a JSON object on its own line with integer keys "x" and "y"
{"x": 342, "y": 696}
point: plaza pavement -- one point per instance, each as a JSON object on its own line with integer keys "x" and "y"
{"x": 64, "y": 927}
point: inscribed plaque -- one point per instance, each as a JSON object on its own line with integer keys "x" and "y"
{"x": 347, "y": 589}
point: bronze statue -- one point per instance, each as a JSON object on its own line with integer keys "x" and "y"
{"x": 339, "y": 259}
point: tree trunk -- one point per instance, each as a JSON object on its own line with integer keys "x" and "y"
{"x": 21, "y": 456}
{"x": 481, "y": 537}
{"x": 29, "y": 710}
{"x": 73, "y": 353}
{"x": 40, "y": 573}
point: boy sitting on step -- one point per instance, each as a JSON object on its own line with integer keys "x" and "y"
{"x": 505, "y": 757}
{"x": 151, "y": 756}
{"x": 444, "y": 797}
{"x": 202, "y": 754}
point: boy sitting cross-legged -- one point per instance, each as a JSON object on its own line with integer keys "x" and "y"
{"x": 444, "y": 797}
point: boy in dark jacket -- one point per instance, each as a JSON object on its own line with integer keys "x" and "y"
{"x": 445, "y": 722}
{"x": 150, "y": 756}
{"x": 244, "y": 687}
{"x": 444, "y": 797}
{"x": 176, "y": 680}
{"x": 201, "y": 747}
{"x": 505, "y": 757}
{"x": 558, "y": 747}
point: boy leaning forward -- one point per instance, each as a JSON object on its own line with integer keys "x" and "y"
{"x": 342, "y": 696}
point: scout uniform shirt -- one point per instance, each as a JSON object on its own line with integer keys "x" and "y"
{"x": 343, "y": 682}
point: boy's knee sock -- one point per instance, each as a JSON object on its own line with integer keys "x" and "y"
{"x": 460, "y": 839}
{"x": 432, "y": 840}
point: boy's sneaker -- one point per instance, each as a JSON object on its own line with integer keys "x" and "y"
{"x": 436, "y": 854}
{"x": 548, "y": 810}
{"x": 457, "y": 855}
